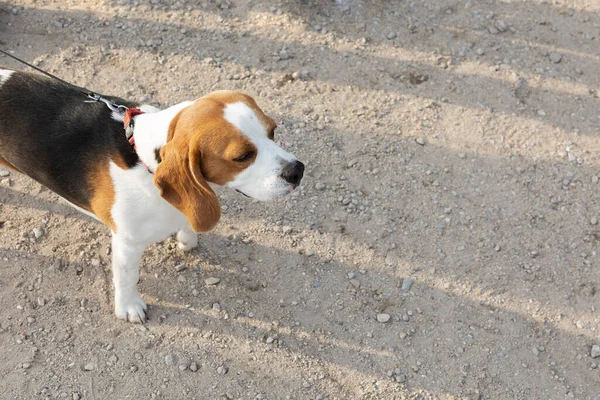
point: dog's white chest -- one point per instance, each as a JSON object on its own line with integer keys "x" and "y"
{"x": 139, "y": 211}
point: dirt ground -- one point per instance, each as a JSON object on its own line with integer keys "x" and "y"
{"x": 450, "y": 144}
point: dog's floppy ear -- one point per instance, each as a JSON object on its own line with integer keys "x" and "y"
{"x": 181, "y": 183}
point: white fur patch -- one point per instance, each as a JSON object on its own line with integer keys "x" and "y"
{"x": 261, "y": 180}
{"x": 5, "y": 75}
{"x": 150, "y": 131}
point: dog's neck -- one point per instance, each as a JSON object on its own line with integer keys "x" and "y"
{"x": 150, "y": 132}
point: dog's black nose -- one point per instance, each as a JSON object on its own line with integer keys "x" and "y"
{"x": 292, "y": 173}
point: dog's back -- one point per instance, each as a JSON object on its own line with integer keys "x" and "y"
{"x": 49, "y": 132}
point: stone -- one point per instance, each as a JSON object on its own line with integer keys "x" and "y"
{"x": 180, "y": 267}
{"x": 38, "y": 233}
{"x": 595, "y": 351}
{"x": 555, "y": 57}
{"x": 383, "y": 318}
{"x": 222, "y": 370}
{"x": 212, "y": 281}
{"x": 170, "y": 359}
{"x": 407, "y": 283}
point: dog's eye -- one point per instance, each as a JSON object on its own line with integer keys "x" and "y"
{"x": 245, "y": 157}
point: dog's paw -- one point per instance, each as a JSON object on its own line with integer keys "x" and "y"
{"x": 131, "y": 308}
{"x": 187, "y": 240}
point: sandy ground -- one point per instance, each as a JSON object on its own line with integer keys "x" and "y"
{"x": 449, "y": 144}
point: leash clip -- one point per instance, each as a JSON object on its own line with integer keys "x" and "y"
{"x": 118, "y": 108}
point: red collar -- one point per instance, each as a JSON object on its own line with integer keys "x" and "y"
{"x": 128, "y": 124}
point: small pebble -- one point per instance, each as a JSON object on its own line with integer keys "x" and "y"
{"x": 355, "y": 283}
{"x": 407, "y": 283}
{"x": 179, "y": 267}
{"x": 212, "y": 281}
{"x": 420, "y": 141}
{"x": 193, "y": 367}
{"x": 383, "y": 318}
{"x": 595, "y": 351}
{"x": 594, "y": 221}
{"x": 216, "y": 307}
{"x": 222, "y": 370}
{"x": 170, "y": 359}
{"x": 38, "y": 232}
{"x": 89, "y": 367}
{"x": 319, "y": 186}
{"x": 41, "y": 301}
{"x": 4, "y": 173}
{"x": 555, "y": 57}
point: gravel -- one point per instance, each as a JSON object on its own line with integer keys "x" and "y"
{"x": 457, "y": 153}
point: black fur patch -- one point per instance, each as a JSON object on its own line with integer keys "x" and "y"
{"x": 157, "y": 156}
{"x": 50, "y": 133}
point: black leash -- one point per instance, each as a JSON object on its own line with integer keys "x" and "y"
{"x": 93, "y": 96}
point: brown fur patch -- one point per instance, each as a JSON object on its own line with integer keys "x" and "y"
{"x": 180, "y": 180}
{"x": 7, "y": 164}
{"x": 102, "y": 192}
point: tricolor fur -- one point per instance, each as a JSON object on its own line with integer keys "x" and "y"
{"x": 79, "y": 150}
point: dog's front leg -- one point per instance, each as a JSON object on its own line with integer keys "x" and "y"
{"x": 126, "y": 257}
{"x": 187, "y": 239}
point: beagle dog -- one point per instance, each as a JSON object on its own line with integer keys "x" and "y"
{"x": 149, "y": 190}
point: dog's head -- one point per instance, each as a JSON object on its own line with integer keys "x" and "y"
{"x": 226, "y": 139}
